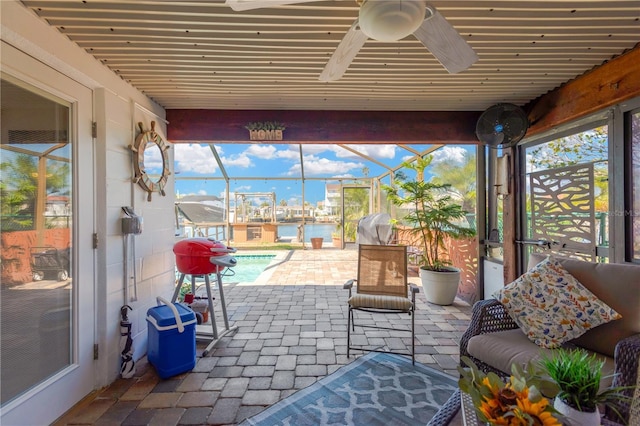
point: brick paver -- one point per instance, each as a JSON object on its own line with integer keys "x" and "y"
{"x": 289, "y": 331}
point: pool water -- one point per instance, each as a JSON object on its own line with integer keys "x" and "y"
{"x": 248, "y": 268}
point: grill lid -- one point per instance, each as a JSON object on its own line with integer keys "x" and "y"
{"x": 202, "y": 256}
{"x": 200, "y": 247}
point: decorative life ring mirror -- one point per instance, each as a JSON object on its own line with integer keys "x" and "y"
{"x": 150, "y": 153}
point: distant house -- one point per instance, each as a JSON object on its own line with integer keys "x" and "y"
{"x": 332, "y": 197}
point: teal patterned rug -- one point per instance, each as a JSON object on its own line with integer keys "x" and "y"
{"x": 376, "y": 389}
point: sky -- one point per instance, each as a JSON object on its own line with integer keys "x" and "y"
{"x": 281, "y": 163}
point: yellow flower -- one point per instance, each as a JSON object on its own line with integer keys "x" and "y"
{"x": 508, "y": 404}
{"x": 538, "y": 411}
{"x": 507, "y": 407}
{"x": 490, "y": 409}
{"x": 487, "y": 383}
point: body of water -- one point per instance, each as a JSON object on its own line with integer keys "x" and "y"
{"x": 311, "y": 230}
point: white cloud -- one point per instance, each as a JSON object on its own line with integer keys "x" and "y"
{"x": 449, "y": 154}
{"x": 373, "y": 151}
{"x": 198, "y": 158}
{"x": 194, "y": 158}
{"x": 291, "y": 153}
{"x": 312, "y": 149}
{"x": 240, "y": 160}
{"x": 265, "y": 152}
{"x": 314, "y": 166}
{"x": 153, "y": 161}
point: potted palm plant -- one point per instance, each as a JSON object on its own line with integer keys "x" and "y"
{"x": 578, "y": 374}
{"x": 433, "y": 216}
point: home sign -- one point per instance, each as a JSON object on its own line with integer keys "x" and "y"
{"x": 265, "y": 131}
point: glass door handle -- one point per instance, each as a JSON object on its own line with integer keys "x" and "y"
{"x": 540, "y": 243}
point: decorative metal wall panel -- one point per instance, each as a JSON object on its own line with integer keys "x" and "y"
{"x": 464, "y": 256}
{"x": 563, "y": 210}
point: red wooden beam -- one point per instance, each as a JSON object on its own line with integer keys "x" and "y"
{"x": 372, "y": 127}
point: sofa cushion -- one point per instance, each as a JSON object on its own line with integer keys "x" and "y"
{"x": 501, "y": 349}
{"x": 551, "y": 306}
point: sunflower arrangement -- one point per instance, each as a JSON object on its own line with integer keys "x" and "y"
{"x": 518, "y": 402}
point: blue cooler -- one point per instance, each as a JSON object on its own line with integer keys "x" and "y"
{"x": 171, "y": 345}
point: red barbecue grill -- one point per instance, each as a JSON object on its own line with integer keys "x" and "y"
{"x": 200, "y": 257}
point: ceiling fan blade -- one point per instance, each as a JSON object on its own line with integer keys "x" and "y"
{"x": 344, "y": 54}
{"x": 446, "y": 44}
{"x": 240, "y": 5}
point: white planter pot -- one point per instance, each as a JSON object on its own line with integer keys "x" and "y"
{"x": 440, "y": 287}
{"x": 574, "y": 417}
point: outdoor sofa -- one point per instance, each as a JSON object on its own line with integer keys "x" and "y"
{"x": 494, "y": 341}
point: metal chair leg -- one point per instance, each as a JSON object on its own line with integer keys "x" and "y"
{"x": 349, "y": 330}
{"x": 413, "y": 337}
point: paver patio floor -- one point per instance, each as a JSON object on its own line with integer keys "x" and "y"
{"x": 289, "y": 330}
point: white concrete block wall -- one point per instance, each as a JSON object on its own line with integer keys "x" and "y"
{"x": 148, "y": 251}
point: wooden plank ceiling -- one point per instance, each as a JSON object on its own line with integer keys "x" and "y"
{"x": 202, "y": 54}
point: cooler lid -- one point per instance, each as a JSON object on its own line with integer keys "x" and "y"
{"x": 164, "y": 316}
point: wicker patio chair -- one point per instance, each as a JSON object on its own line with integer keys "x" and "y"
{"x": 381, "y": 288}
{"x": 490, "y": 316}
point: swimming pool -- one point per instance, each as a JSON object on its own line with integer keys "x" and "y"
{"x": 248, "y": 269}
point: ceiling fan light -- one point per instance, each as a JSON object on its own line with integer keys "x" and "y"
{"x": 391, "y": 20}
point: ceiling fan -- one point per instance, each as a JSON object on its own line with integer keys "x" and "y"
{"x": 388, "y": 20}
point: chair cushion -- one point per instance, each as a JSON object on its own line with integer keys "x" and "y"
{"x": 501, "y": 349}
{"x": 375, "y": 301}
{"x": 551, "y": 306}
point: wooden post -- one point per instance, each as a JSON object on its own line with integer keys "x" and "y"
{"x": 509, "y": 224}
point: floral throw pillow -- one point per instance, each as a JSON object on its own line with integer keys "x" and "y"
{"x": 551, "y": 307}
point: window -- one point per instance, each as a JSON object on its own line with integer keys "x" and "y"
{"x": 635, "y": 186}
{"x": 568, "y": 194}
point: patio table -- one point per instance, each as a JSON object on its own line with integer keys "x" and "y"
{"x": 469, "y": 416}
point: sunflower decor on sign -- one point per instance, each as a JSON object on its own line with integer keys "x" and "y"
{"x": 150, "y": 161}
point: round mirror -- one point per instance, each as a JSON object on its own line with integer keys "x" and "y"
{"x": 151, "y": 161}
